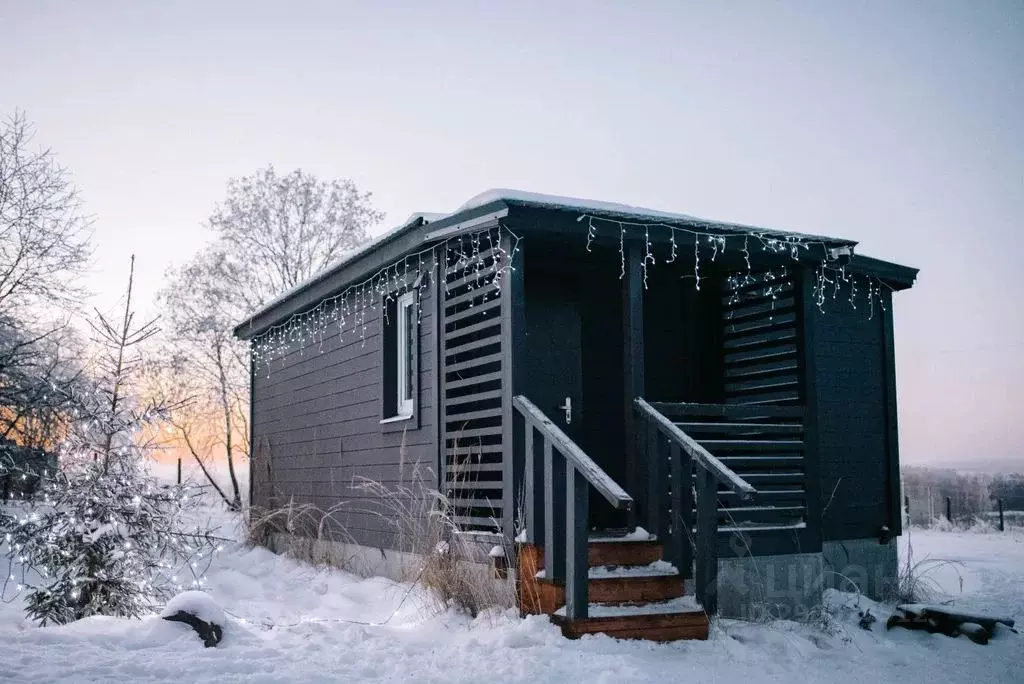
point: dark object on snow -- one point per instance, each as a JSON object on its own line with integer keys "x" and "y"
{"x": 943, "y": 620}
{"x": 867, "y": 619}
{"x": 209, "y": 632}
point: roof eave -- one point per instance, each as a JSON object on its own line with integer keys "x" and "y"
{"x": 896, "y": 276}
{"x": 684, "y": 222}
{"x": 355, "y": 268}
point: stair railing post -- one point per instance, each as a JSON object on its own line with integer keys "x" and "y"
{"x": 533, "y": 484}
{"x": 682, "y": 511}
{"x": 554, "y": 514}
{"x": 655, "y": 481}
{"x": 707, "y": 541}
{"x": 577, "y": 573}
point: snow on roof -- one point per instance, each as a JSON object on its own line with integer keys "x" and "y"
{"x": 427, "y": 216}
{"x": 626, "y": 211}
{"x": 584, "y": 205}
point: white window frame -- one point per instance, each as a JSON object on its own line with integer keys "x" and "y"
{"x": 405, "y": 406}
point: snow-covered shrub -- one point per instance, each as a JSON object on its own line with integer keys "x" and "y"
{"x": 103, "y": 543}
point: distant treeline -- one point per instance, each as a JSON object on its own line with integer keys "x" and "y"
{"x": 972, "y": 495}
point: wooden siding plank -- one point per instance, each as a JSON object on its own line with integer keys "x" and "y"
{"x": 471, "y": 296}
{"x": 470, "y": 346}
{"x": 456, "y": 417}
{"x": 453, "y": 337}
{"x": 473, "y": 363}
{"x": 474, "y": 380}
{"x": 484, "y": 309}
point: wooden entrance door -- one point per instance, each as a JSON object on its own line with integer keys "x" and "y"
{"x": 554, "y": 343}
{"x": 574, "y": 352}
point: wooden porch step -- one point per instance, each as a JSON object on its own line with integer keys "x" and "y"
{"x": 621, "y": 549}
{"x": 694, "y": 429}
{"x": 627, "y": 585}
{"x": 717, "y": 445}
{"x": 623, "y": 553}
{"x": 660, "y": 621}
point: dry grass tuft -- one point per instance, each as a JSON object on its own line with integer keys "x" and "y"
{"x": 307, "y": 532}
{"x": 916, "y": 581}
{"x": 453, "y": 565}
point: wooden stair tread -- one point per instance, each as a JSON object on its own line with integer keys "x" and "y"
{"x": 683, "y": 604}
{"x": 626, "y": 549}
{"x": 714, "y": 445}
{"x": 637, "y": 535}
{"x": 658, "y": 568}
{"x": 660, "y": 621}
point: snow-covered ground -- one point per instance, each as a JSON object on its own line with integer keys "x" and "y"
{"x": 292, "y": 623}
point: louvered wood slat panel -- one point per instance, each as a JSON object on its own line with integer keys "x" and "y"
{"x": 472, "y": 374}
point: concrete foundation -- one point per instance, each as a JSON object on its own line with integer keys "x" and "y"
{"x": 784, "y": 587}
{"x": 872, "y": 567}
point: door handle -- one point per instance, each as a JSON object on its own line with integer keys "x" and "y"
{"x": 567, "y": 407}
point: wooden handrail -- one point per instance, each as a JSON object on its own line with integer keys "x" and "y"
{"x": 582, "y": 463}
{"x": 699, "y": 454}
{"x": 557, "y": 504}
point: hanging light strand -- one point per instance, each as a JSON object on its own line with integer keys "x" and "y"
{"x": 350, "y": 305}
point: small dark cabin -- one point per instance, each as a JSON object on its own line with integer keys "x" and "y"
{"x": 565, "y": 368}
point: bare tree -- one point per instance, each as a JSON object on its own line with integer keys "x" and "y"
{"x": 272, "y": 233}
{"x": 278, "y": 231}
{"x": 44, "y": 248}
{"x": 208, "y": 364}
{"x": 39, "y": 375}
{"x": 44, "y": 237}
{"x": 193, "y": 421}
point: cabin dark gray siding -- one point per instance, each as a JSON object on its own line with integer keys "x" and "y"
{"x": 853, "y": 414}
{"x": 316, "y": 427}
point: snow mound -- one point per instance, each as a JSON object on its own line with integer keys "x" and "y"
{"x": 196, "y": 603}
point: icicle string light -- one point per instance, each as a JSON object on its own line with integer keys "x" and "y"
{"x": 793, "y": 245}
{"x": 480, "y": 259}
{"x": 476, "y": 257}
